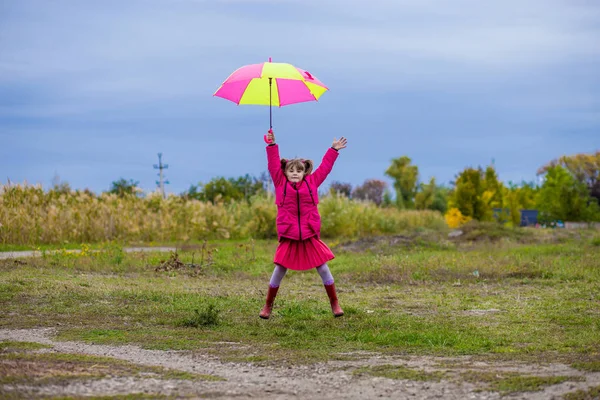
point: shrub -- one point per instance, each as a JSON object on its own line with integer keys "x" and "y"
{"x": 209, "y": 316}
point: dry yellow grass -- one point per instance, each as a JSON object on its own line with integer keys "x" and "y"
{"x": 30, "y": 215}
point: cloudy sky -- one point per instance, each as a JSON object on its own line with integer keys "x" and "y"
{"x": 92, "y": 90}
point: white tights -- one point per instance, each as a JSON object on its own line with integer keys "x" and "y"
{"x": 279, "y": 273}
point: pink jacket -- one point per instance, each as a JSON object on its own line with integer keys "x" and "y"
{"x": 297, "y": 214}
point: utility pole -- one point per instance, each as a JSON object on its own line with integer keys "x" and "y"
{"x": 161, "y": 183}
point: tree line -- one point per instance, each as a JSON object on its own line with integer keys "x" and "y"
{"x": 569, "y": 191}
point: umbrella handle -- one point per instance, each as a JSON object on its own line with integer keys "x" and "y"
{"x": 265, "y": 137}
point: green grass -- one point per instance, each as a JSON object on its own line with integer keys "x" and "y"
{"x": 207, "y": 317}
{"x": 520, "y": 301}
{"x": 588, "y": 366}
{"x": 508, "y": 383}
{"x": 11, "y": 346}
{"x": 592, "y": 393}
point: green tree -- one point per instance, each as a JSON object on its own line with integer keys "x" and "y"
{"x": 219, "y": 189}
{"x": 387, "y": 200}
{"x": 518, "y": 197}
{"x": 477, "y": 192}
{"x": 226, "y": 189}
{"x": 585, "y": 168}
{"x": 527, "y": 193}
{"x": 405, "y": 178}
{"x": 563, "y": 197}
{"x": 469, "y": 195}
{"x": 123, "y": 187}
{"x": 493, "y": 187}
{"x": 431, "y": 197}
{"x": 194, "y": 192}
{"x": 248, "y": 186}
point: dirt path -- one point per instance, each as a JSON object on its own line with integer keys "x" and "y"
{"x": 332, "y": 380}
{"x": 4, "y": 255}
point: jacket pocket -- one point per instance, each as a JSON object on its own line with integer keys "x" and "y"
{"x": 314, "y": 223}
{"x": 284, "y": 226}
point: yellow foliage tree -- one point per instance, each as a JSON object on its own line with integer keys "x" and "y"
{"x": 454, "y": 218}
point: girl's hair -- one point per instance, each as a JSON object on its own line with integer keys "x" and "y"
{"x": 300, "y": 163}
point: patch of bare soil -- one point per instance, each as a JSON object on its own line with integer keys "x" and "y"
{"x": 385, "y": 243}
{"x": 429, "y": 378}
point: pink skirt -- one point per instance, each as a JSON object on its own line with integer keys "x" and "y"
{"x": 301, "y": 255}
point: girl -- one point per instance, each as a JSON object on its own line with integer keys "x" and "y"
{"x": 298, "y": 220}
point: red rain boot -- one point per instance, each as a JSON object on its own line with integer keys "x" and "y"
{"x": 265, "y": 313}
{"x": 335, "y": 306}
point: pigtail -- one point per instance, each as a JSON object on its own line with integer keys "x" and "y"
{"x": 308, "y": 167}
{"x": 283, "y": 164}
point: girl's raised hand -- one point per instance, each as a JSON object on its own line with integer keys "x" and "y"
{"x": 339, "y": 144}
{"x": 270, "y": 137}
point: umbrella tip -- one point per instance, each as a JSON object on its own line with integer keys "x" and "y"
{"x": 269, "y": 59}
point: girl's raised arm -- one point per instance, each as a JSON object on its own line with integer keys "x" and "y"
{"x": 329, "y": 158}
{"x": 274, "y": 161}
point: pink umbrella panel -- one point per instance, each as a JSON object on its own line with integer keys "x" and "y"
{"x": 272, "y": 84}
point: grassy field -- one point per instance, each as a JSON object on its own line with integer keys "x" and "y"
{"x": 414, "y": 294}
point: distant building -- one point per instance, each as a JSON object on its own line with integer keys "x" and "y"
{"x": 529, "y": 217}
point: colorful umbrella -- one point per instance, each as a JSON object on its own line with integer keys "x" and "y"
{"x": 272, "y": 84}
